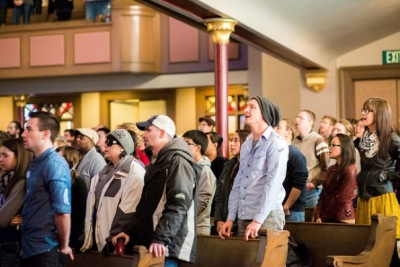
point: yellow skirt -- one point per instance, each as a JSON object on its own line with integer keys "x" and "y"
{"x": 385, "y": 204}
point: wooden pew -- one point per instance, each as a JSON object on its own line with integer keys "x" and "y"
{"x": 379, "y": 249}
{"x": 359, "y": 244}
{"x": 95, "y": 259}
{"x": 211, "y": 251}
{"x": 328, "y": 239}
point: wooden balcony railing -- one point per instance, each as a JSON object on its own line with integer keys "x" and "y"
{"x": 130, "y": 43}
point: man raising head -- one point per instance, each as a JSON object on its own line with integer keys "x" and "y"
{"x": 316, "y": 151}
{"x": 257, "y": 192}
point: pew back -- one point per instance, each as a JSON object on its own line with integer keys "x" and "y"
{"x": 95, "y": 259}
{"x": 330, "y": 238}
{"x": 212, "y": 251}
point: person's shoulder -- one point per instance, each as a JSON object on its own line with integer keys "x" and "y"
{"x": 54, "y": 159}
{"x": 295, "y": 152}
{"x": 220, "y": 159}
{"x": 352, "y": 169}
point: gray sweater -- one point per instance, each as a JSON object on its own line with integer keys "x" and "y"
{"x": 12, "y": 204}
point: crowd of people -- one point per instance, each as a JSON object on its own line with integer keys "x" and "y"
{"x": 24, "y": 9}
{"x": 90, "y": 188}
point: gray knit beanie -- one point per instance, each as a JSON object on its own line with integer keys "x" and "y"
{"x": 269, "y": 110}
{"x": 124, "y": 138}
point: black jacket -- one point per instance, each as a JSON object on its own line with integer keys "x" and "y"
{"x": 224, "y": 187}
{"x": 376, "y": 173}
{"x": 166, "y": 212}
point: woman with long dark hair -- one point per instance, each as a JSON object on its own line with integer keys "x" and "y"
{"x": 380, "y": 163}
{"x": 335, "y": 201}
{"x": 227, "y": 177}
{"x": 14, "y": 161}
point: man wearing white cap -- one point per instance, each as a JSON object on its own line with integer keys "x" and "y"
{"x": 91, "y": 161}
{"x": 165, "y": 218}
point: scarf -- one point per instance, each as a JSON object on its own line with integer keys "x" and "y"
{"x": 369, "y": 144}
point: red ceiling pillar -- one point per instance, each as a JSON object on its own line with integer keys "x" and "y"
{"x": 220, "y": 30}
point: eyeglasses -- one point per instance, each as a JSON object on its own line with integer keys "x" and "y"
{"x": 191, "y": 144}
{"x": 366, "y": 111}
{"x": 110, "y": 142}
{"x": 334, "y": 145}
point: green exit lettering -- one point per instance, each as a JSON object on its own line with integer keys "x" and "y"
{"x": 391, "y": 57}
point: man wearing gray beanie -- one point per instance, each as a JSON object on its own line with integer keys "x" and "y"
{"x": 257, "y": 193}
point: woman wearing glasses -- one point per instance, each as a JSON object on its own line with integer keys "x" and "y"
{"x": 335, "y": 201}
{"x": 345, "y": 127}
{"x": 380, "y": 164}
{"x": 114, "y": 192}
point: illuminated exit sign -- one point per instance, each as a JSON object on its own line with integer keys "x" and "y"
{"x": 391, "y": 57}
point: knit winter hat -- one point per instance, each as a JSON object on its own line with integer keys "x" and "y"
{"x": 124, "y": 138}
{"x": 269, "y": 110}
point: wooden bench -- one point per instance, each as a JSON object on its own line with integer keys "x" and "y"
{"x": 358, "y": 244}
{"x": 211, "y": 251}
{"x": 355, "y": 242}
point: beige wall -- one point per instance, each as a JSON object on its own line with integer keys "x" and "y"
{"x": 185, "y": 110}
{"x": 285, "y": 85}
{"x": 7, "y": 110}
{"x": 90, "y": 116}
{"x": 282, "y": 84}
{"x": 370, "y": 54}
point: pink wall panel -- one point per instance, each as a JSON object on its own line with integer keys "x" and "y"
{"x": 10, "y": 53}
{"x": 92, "y": 47}
{"x": 183, "y": 42}
{"x": 47, "y": 50}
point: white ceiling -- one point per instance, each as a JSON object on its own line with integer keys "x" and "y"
{"x": 320, "y": 30}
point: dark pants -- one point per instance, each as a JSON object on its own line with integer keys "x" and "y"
{"x": 37, "y": 7}
{"x": 63, "y": 15}
{"x": 52, "y": 258}
{"x": 3, "y": 15}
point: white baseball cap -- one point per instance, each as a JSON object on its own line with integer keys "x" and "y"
{"x": 162, "y": 122}
{"x": 91, "y": 134}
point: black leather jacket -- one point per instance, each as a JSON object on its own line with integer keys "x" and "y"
{"x": 377, "y": 174}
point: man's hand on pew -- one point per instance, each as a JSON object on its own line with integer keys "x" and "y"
{"x": 226, "y": 229}
{"x": 219, "y": 225}
{"x": 120, "y": 235}
{"x": 252, "y": 230}
{"x": 157, "y": 249}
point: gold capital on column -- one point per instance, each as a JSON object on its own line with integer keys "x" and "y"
{"x": 20, "y": 100}
{"x": 220, "y": 29}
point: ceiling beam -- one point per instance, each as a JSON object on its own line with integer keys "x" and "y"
{"x": 192, "y": 13}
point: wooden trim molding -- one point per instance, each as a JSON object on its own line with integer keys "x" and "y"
{"x": 347, "y": 77}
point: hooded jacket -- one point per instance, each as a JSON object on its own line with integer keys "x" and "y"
{"x": 206, "y": 189}
{"x": 166, "y": 213}
{"x": 119, "y": 197}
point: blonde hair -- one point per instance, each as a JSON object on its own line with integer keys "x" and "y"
{"x": 348, "y": 127}
{"x": 60, "y": 141}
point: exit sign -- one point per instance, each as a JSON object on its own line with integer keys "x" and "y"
{"x": 391, "y": 57}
